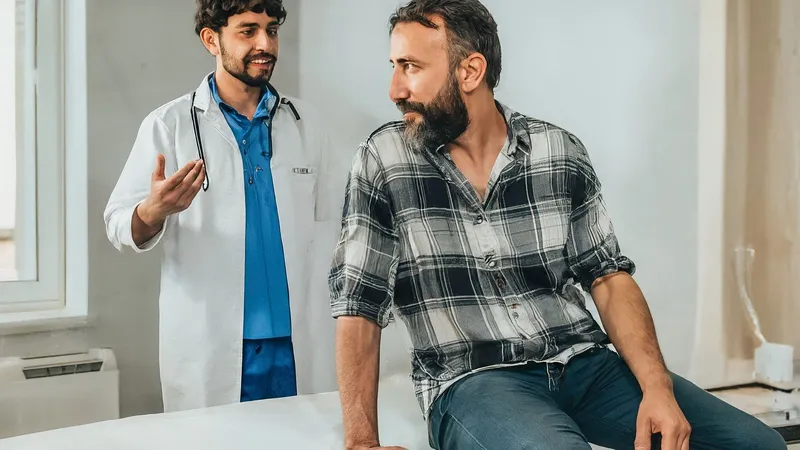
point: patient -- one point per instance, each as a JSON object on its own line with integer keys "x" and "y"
{"x": 478, "y": 226}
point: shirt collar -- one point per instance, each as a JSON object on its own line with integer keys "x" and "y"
{"x": 519, "y": 135}
{"x": 262, "y": 110}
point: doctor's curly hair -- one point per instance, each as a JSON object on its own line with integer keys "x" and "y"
{"x": 214, "y": 14}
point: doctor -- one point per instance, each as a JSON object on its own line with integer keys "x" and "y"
{"x": 230, "y": 180}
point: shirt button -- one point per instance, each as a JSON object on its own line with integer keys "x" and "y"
{"x": 478, "y": 220}
{"x": 515, "y": 315}
{"x": 492, "y": 264}
{"x": 250, "y": 180}
{"x": 244, "y": 141}
{"x": 501, "y": 282}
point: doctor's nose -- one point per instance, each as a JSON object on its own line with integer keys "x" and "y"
{"x": 262, "y": 41}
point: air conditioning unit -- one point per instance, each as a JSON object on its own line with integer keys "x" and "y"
{"x": 49, "y": 392}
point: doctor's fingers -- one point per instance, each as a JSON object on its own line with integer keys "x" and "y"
{"x": 189, "y": 195}
{"x": 158, "y": 173}
{"x": 187, "y": 181}
{"x": 176, "y": 179}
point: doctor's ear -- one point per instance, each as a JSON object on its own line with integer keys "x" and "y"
{"x": 210, "y": 40}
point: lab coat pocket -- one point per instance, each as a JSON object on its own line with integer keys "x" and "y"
{"x": 303, "y": 182}
{"x": 294, "y": 190}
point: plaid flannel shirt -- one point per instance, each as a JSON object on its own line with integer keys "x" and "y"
{"x": 478, "y": 283}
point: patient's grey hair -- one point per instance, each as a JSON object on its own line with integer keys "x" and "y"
{"x": 469, "y": 25}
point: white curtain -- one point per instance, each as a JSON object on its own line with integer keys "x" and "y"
{"x": 761, "y": 189}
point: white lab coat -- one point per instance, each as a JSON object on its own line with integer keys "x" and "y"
{"x": 201, "y": 303}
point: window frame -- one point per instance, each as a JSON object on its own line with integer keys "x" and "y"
{"x": 57, "y": 158}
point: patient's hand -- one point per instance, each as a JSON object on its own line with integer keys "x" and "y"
{"x": 377, "y": 448}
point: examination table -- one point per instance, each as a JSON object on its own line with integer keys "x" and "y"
{"x": 312, "y": 422}
{"x": 305, "y": 422}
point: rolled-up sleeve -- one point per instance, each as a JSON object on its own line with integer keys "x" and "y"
{"x": 592, "y": 249}
{"x": 364, "y": 265}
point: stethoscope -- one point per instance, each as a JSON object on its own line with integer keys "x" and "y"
{"x": 199, "y": 142}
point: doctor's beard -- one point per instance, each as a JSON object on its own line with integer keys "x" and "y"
{"x": 238, "y": 67}
{"x": 441, "y": 121}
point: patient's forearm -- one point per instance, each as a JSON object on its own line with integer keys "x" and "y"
{"x": 357, "y": 359}
{"x": 624, "y": 312}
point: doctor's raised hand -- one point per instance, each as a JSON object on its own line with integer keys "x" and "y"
{"x": 167, "y": 196}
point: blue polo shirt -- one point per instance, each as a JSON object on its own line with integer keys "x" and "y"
{"x": 266, "y": 288}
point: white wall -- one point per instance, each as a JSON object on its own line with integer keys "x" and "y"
{"x": 141, "y": 54}
{"x": 621, "y": 75}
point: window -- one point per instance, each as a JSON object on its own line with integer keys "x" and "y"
{"x": 42, "y": 159}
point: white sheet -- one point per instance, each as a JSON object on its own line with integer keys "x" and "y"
{"x": 304, "y": 422}
{"x": 311, "y": 422}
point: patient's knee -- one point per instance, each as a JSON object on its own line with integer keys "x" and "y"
{"x": 755, "y": 435}
{"x": 450, "y": 433}
{"x": 768, "y": 439}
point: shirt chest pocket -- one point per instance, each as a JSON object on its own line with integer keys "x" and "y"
{"x": 434, "y": 241}
{"x": 554, "y": 228}
{"x": 546, "y": 228}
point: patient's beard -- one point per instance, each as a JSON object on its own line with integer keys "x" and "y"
{"x": 442, "y": 121}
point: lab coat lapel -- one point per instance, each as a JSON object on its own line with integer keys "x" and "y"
{"x": 211, "y": 113}
{"x": 214, "y": 116}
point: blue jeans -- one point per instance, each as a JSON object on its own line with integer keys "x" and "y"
{"x": 268, "y": 369}
{"x": 594, "y": 398}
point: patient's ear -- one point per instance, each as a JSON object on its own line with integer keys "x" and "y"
{"x": 471, "y": 73}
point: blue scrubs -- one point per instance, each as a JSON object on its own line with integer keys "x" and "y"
{"x": 268, "y": 369}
